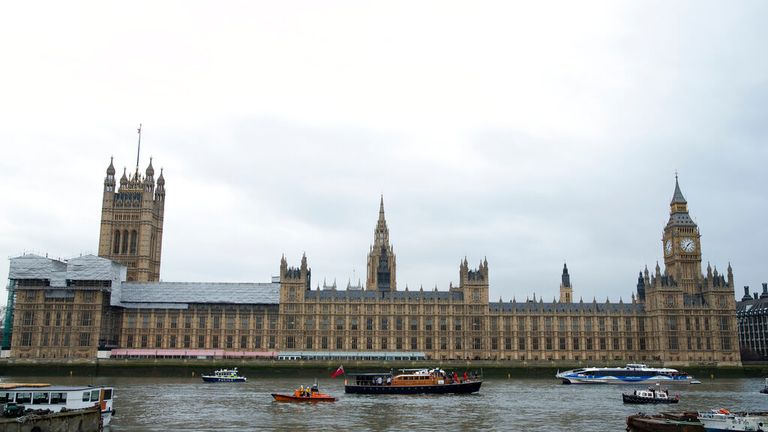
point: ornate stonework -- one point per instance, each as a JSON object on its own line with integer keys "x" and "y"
{"x": 676, "y": 317}
{"x": 132, "y": 222}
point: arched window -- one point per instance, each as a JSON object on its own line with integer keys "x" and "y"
{"x": 124, "y": 248}
{"x": 116, "y": 242}
{"x": 134, "y": 239}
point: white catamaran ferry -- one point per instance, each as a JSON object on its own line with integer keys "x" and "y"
{"x": 54, "y": 398}
{"x": 630, "y": 374}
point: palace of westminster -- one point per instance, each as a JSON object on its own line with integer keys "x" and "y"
{"x": 89, "y": 305}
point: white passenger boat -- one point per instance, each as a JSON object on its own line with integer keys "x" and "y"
{"x": 630, "y": 374}
{"x": 724, "y": 420}
{"x": 54, "y": 398}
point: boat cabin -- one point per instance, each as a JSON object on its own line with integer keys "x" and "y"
{"x": 370, "y": 379}
{"x": 652, "y": 394}
{"x": 56, "y": 398}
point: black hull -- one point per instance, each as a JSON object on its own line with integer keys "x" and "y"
{"x": 460, "y": 388}
{"x": 632, "y": 399}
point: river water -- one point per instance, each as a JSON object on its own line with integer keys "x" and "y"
{"x": 518, "y": 404}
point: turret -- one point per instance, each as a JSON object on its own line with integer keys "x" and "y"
{"x": 746, "y": 294}
{"x": 149, "y": 180}
{"x": 160, "y": 191}
{"x": 109, "y": 180}
{"x": 566, "y": 291}
{"x": 124, "y": 179}
{"x": 641, "y": 286}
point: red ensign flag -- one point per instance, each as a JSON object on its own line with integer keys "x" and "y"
{"x": 339, "y": 371}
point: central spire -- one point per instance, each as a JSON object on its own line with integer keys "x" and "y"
{"x": 381, "y": 257}
{"x": 381, "y": 233}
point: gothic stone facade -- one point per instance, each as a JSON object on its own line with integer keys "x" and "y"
{"x": 132, "y": 222}
{"x": 677, "y": 317}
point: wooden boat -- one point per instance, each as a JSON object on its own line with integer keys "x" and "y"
{"x": 664, "y": 422}
{"x": 650, "y": 396}
{"x": 224, "y": 375}
{"x": 413, "y": 381}
{"x": 310, "y": 394}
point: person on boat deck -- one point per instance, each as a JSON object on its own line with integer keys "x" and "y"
{"x": 465, "y": 376}
{"x": 455, "y": 377}
{"x": 389, "y": 380}
{"x": 378, "y": 380}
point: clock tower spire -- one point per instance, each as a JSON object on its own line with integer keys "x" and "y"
{"x": 681, "y": 242}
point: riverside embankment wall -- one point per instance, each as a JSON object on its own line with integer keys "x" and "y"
{"x": 255, "y": 368}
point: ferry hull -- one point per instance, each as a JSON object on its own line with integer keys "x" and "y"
{"x": 623, "y": 380}
{"x": 634, "y": 399}
{"x": 223, "y": 379}
{"x": 459, "y": 388}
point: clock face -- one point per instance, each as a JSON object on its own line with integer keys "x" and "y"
{"x": 687, "y": 245}
{"x": 668, "y": 247}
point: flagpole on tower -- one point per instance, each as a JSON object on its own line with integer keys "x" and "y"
{"x": 139, "y": 150}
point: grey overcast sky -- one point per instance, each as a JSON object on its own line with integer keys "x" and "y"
{"x": 530, "y": 133}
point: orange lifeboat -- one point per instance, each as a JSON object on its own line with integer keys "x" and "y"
{"x": 311, "y": 394}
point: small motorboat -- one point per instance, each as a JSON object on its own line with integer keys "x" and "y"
{"x": 224, "y": 375}
{"x": 308, "y": 394}
{"x": 650, "y": 396}
{"x": 725, "y": 420}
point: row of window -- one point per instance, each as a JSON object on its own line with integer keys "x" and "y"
{"x": 57, "y": 319}
{"x": 86, "y": 296}
{"x": 46, "y": 339}
{"x": 125, "y": 242}
{"x": 354, "y": 343}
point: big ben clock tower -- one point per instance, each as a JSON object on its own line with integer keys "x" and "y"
{"x": 682, "y": 244}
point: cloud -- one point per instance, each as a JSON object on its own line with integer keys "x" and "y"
{"x": 527, "y": 134}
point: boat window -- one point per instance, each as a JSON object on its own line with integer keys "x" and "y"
{"x": 94, "y": 396}
{"x": 86, "y": 396}
{"x": 23, "y": 397}
{"x": 40, "y": 398}
{"x": 58, "y": 398}
{"x": 107, "y": 394}
{"x": 6, "y": 397}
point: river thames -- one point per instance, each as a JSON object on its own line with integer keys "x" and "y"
{"x": 188, "y": 404}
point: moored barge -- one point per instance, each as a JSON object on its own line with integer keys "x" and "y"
{"x": 413, "y": 381}
{"x": 665, "y": 422}
{"x": 38, "y": 396}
